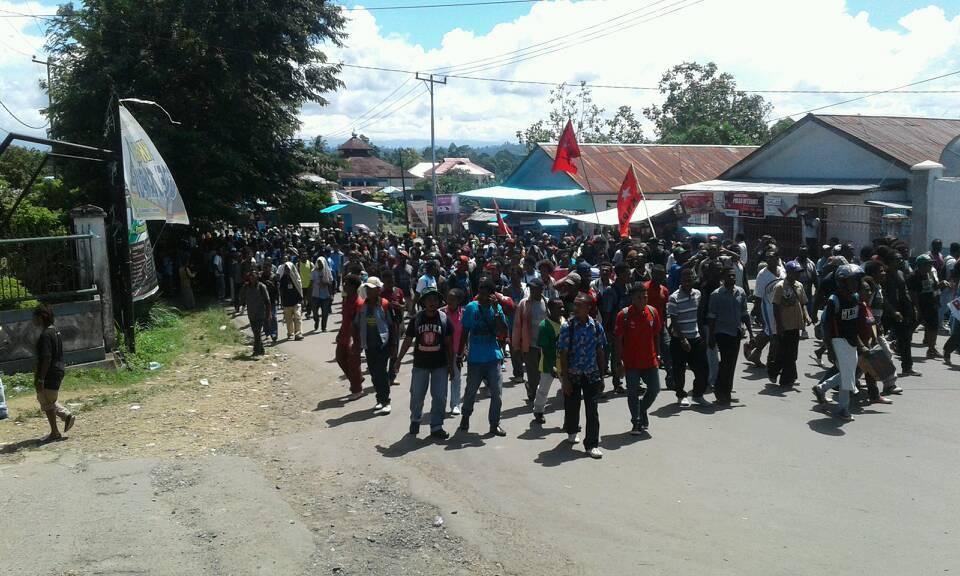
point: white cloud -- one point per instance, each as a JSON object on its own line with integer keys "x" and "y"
{"x": 20, "y": 39}
{"x": 769, "y": 44}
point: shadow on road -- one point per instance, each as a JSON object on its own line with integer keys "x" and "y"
{"x": 778, "y": 391}
{"x": 353, "y": 417}
{"x": 340, "y": 402}
{"x": 15, "y": 447}
{"x": 404, "y": 446}
{"x": 561, "y": 453}
{"x": 667, "y": 410}
{"x": 622, "y": 440}
{"x": 461, "y": 439}
{"x": 538, "y": 431}
{"x": 828, "y": 426}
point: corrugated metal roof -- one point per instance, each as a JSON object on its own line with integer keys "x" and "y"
{"x": 511, "y": 193}
{"x": 355, "y": 143}
{"x": 906, "y": 140}
{"x": 611, "y": 217}
{"x": 659, "y": 167}
{"x": 775, "y": 187}
{"x": 370, "y": 167}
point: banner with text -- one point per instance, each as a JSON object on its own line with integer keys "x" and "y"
{"x": 143, "y": 270}
{"x": 153, "y": 193}
{"x": 697, "y": 202}
{"x": 418, "y": 215}
{"x": 743, "y": 204}
{"x": 448, "y": 204}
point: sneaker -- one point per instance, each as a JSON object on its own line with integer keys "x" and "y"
{"x": 701, "y": 401}
{"x": 892, "y": 389}
{"x": 684, "y": 402}
{"x": 910, "y": 372}
{"x": 355, "y": 396}
{"x": 378, "y": 407}
{"x": 619, "y": 390}
{"x": 538, "y": 417}
{"x": 385, "y": 410}
{"x": 637, "y": 430}
{"x": 882, "y": 400}
{"x": 573, "y": 438}
{"x": 933, "y": 354}
{"x": 595, "y": 453}
{"x": 456, "y": 410}
{"x": 298, "y": 337}
{"x": 440, "y": 434}
{"x": 497, "y": 431}
{"x": 821, "y": 397}
{"x": 414, "y": 428}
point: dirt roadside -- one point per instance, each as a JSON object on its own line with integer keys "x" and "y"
{"x": 174, "y": 475}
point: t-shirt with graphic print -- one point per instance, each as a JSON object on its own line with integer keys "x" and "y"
{"x": 430, "y": 334}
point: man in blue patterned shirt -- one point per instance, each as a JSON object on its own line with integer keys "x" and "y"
{"x": 581, "y": 360}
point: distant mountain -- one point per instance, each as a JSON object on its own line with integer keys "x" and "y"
{"x": 480, "y": 146}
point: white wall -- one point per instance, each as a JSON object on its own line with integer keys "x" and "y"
{"x": 813, "y": 151}
{"x": 943, "y": 211}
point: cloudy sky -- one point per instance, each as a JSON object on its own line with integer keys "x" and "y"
{"x": 767, "y": 44}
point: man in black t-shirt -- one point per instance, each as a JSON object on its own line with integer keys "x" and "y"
{"x": 432, "y": 362}
{"x": 49, "y": 372}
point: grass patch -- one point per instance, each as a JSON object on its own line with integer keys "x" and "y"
{"x": 163, "y": 336}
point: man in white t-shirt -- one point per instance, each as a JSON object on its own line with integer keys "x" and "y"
{"x": 766, "y": 281}
{"x": 428, "y": 280}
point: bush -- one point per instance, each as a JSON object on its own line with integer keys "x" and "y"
{"x": 11, "y": 288}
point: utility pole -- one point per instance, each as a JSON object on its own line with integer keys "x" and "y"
{"x": 430, "y": 80}
{"x": 403, "y": 186}
{"x": 50, "y": 133}
{"x": 121, "y": 222}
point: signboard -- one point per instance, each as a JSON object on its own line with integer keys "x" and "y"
{"x": 418, "y": 215}
{"x": 153, "y": 195}
{"x": 698, "y": 202}
{"x": 448, "y": 204}
{"x": 743, "y": 204}
{"x": 143, "y": 270}
{"x": 782, "y": 206}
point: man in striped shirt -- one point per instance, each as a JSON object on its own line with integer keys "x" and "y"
{"x": 686, "y": 345}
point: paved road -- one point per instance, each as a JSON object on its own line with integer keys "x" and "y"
{"x": 771, "y": 486}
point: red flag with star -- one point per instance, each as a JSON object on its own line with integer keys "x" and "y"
{"x": 567, "y": 150}
{"x": 628, "y": 199}
{"x": 501, "y": 225}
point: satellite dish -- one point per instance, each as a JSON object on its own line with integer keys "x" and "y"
{"x": 950, "y": 158}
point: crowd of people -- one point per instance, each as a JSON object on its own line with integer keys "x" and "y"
{"x": 585, "y": 310}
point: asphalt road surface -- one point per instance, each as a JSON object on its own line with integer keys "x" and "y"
{"x": 770, "y": 486}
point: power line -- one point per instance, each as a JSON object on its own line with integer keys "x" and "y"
{"x": 14, "y": 116}
{"x": 361, "y": 122}
{"x": 388, "y": 113}
{"x": 375, "y": 106}
{"x": 877, "y": 93}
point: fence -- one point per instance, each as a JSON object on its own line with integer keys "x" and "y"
{"x": 52, "y": 268}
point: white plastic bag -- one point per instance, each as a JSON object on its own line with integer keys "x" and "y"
{"x": 3, "y": 403}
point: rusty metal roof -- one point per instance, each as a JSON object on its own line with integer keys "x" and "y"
{"x": 370, "y": 167}
{"x": 907, "y": 141}
{"x": 660, "y": 167}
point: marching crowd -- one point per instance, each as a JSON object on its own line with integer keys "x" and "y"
{"x": 584, "y": 310}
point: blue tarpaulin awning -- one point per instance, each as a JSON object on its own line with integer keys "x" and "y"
{"x": 702, "y": 230}
{"x": 547, "y": 222}
{"x": 333, "y": 208}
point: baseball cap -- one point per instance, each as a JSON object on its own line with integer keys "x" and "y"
{"x": 848, "y": 271}
{"x": 793, "y": 266}
{"x": 429, "y": 291}
{"x": 924, "y": 259}
{"x": 535, "y": 283}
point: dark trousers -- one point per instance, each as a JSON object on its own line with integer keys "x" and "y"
{"x": 531, "y": 361}
{"x": 729, "y": 348}
{"x": 953, "y": 342}
{"x": 785, "y": 367}
{"x": 377, "y": 359}
{"x": 322, "y": 305}
{"x": 256, "y": 326}
{"x": 903, "y": 332}
{"x": 586, "y": 387}
{"x": 696, "y": 358}
{"x": 516, "y": 362}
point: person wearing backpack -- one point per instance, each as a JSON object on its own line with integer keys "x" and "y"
{"x": 432, "y": 362}
{"x": 637, "y": 343}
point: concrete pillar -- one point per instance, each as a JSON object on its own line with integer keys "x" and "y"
{"x": 922, "y": 182}
{"x": 89, "y": 219}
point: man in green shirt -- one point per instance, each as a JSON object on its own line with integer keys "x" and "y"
{"x": 547, "y": 335}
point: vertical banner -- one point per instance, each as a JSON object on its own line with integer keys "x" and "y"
{"x": 143, "y": 269}
{"x": 418, "y": 214}
{"x": 448, "y": 204}
{"x": 153, "y": 195}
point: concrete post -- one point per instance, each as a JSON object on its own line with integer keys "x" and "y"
{"x": 89, "y": 219}
{"x": 922, "y": 182}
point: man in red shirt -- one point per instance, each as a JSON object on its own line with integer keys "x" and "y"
{"x": 349, "y": 361}
{"x": 657, "y": 296}
{"x": 637, "y": 343}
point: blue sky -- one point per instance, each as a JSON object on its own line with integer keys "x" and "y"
{"x": 427, "y": 26}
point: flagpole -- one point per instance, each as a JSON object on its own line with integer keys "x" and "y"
{"x": 649, "y": 221}
{"x": 596, "y": 212}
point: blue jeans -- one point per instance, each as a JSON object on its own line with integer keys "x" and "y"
{"x": 489, "y": 372}
{"x": 436, "y": 380}
{"x": 638, "y": 407}
{"x": 455, "y": 386}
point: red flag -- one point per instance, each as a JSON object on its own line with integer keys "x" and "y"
{"x": 567, "y": 150}
{"x": 501, "y": 225}
{"x": 628, "y": 199}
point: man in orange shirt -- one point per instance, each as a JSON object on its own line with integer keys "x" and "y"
{"x": 637, "y": 343}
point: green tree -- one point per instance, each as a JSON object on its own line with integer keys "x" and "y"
{"x": 780, "y": 127}
{"x": 703, "y": 106}
{"x": 576, "y": 104}
{"x": 17, "y": 165}
{"x": 233, "y": 72}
